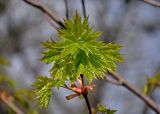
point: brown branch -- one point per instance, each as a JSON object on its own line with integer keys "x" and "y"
{"x": 87, "y": 102}
{"x": 39, "y": 5}
{"x": 84, "y": 8}
{"x": 112, "y": 81}
{"x": 134, "y": 90}
{"x": 7, "y": 99}
{"x": 67, "y": 9}
{"x": 82, "y": 78}
{"x": 51, "y": 22}
{"x": 152, "y": 2}
{"x": 158, "y": 84}
{"x": 85, "y": 94}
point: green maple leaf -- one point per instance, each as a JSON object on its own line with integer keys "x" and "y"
{"x": 79, "y": 51}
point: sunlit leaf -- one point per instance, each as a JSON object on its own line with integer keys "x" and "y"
{"x": 43, "y": 90}
{"x": 79, "y": 50}
{"x": 104, "y": 110}
{"x": 152, "y": 83}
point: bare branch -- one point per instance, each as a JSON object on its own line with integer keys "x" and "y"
{"x": 158, "y": 84}
{"x": 134, "y": 90}
{"x": 67, "y": 9}
{"x": 7, "y": 99}
{"x": 39, "y": 5}
{"x": 85, "y": 95}
{"x": 84, "y": 8}
{"x": 152, "y": 2}
{"x": 87, "y": 102}
{"x": 51, "y": 22}
{"x": 112, "y": 81}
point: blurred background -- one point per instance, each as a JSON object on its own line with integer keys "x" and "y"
{"x": 132, "y": 23}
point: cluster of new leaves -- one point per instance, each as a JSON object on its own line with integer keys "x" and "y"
{"x": 103, "y": 110}
{"x": 152, "y": 83}
{"x": 79, "y": 52}
{"x": 76, "y": 52}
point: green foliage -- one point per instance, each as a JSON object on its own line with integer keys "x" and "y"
{"x": 152, "y": 82}
{"x": 78, "y": 51}
{"x": 43, "y": 90}
{"x": 102, "y": 109}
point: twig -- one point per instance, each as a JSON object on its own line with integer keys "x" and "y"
{"x": 87, "y": 102}
{"x": 83, "y": 92}
{"x": 81, "y": 75}
{"x": 67, "y": 9}
{"x": 7, "y": 99}
{"x": 115, "y": 82}
{"x": 158, "y": 84}
{"x": 51, "y": 22}
{"x": 134, "y": 90}
{"x": 39, "y": 5}
{"x": 85, "y": 95}
{"x": 84, "y": 8}
{"x": 152, "y": 2}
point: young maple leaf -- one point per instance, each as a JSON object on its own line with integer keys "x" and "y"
{"x": 79, "y": 52}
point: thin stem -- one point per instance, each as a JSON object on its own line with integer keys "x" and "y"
{"x": 7, "y": 99}
{"x": 67, "y": 9}
{"x": 13, "y": 107}
{"x": 66, "y": 87}
{"x": 158, "y": 84}
{"x": 115, "y": 82}
{"x": 87, "y": 102}
{"x": 84, "y": 8}
{"x": 39, "y": 5}
{"x": 136, "y": 91}
{"x": 81, "y": 75}
{"x": 152, "y": 2}
{"x": 85, "y": 94}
